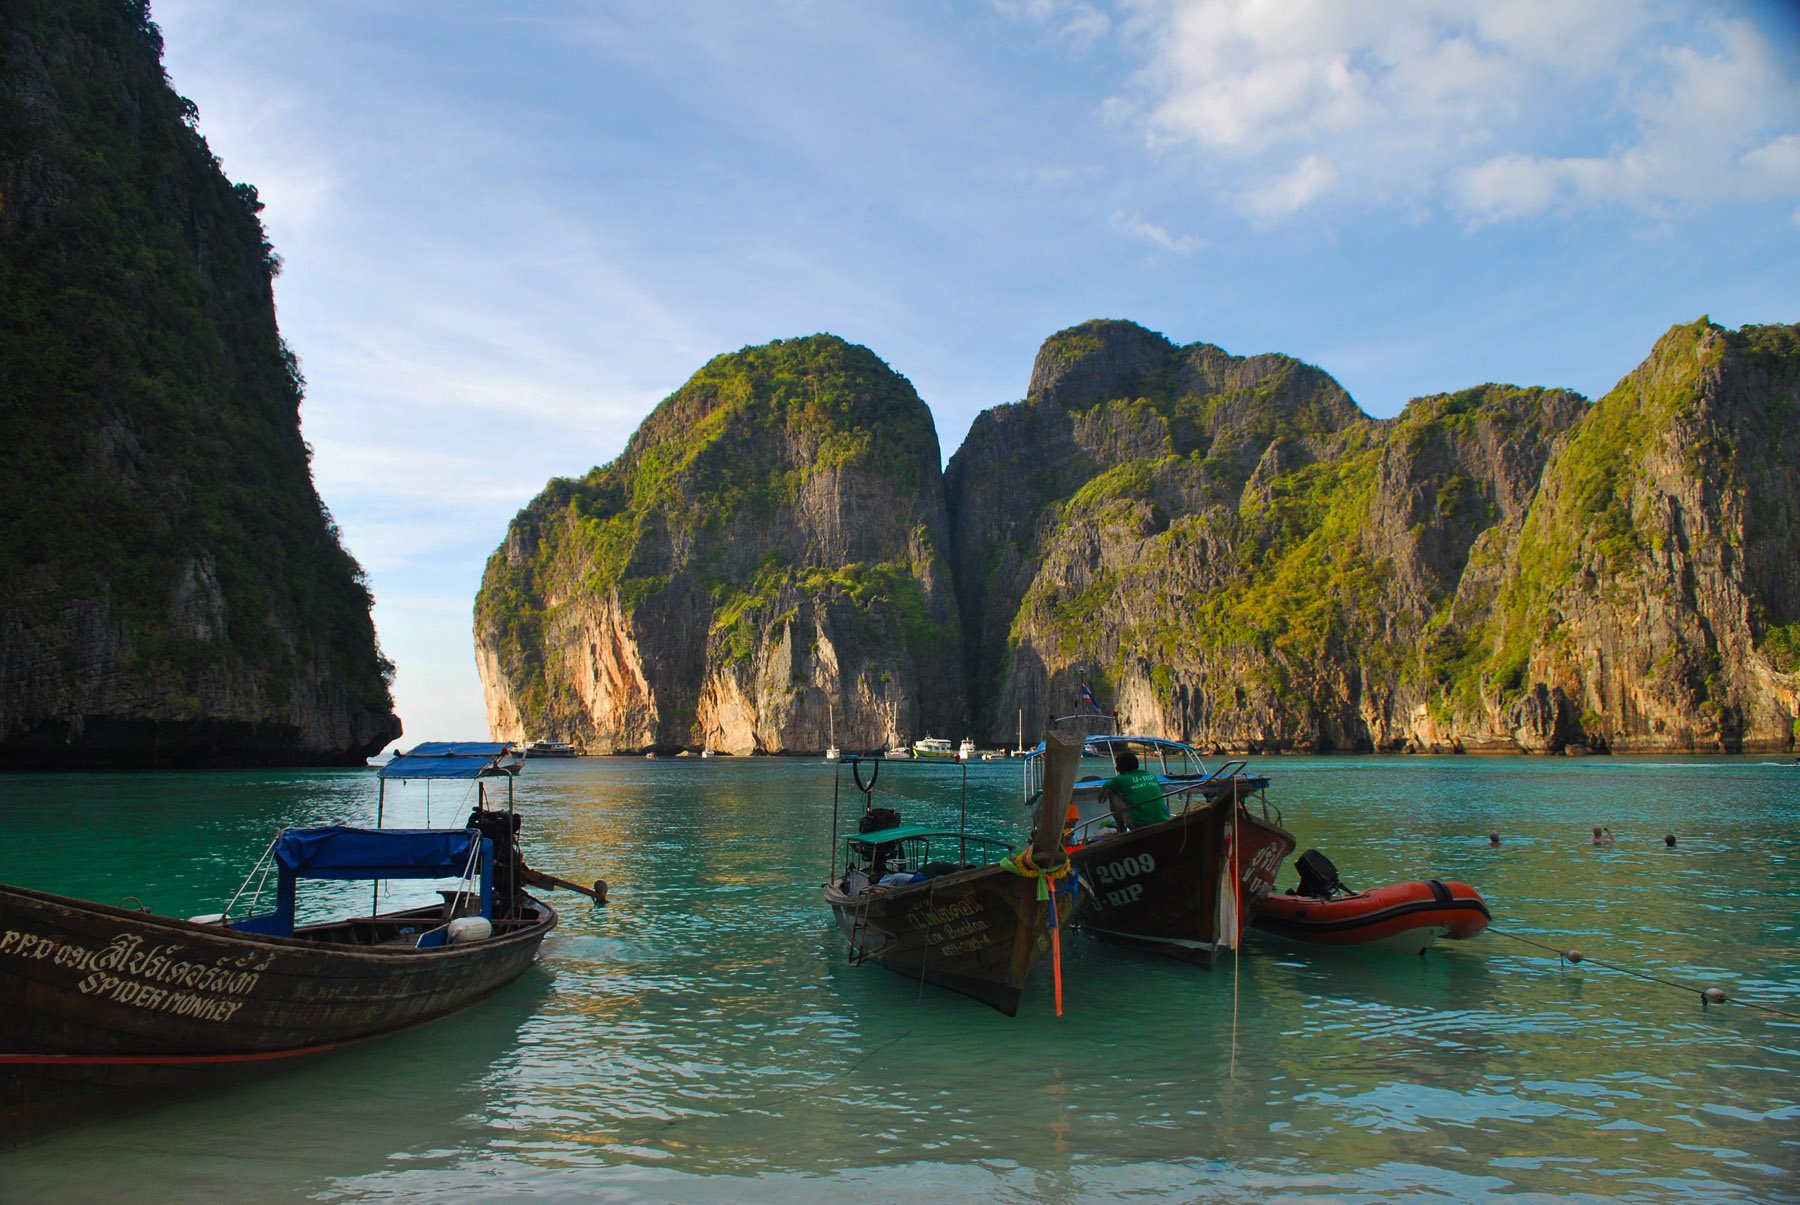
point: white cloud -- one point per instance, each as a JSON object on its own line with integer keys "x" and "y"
{"x": 1695, "y": 141}
{"x": 1137, "y": 227}
{"x": 1508, "y": 109}
{"x": 1292, "y": 192}
{"x": 1777, "y": 161}
{"x": 1511, "y": 186}
{"x": 409, "y": 476}
{"x": 1072, "y": 21}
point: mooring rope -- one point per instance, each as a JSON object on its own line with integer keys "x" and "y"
{"x": 1708, "y": 996}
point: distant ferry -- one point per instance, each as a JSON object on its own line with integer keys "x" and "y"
{"x": 551, "y": 749}
{"x": 934, "y": 746}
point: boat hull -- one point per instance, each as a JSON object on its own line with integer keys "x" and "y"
{"x": 979, "y": 932}
{"x": 1163, "y": 887}
{"x": 97, "y": 1002}
{"x": 1405, "y": 916}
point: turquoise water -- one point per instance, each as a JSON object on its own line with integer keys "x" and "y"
{"x": 702, "y": 1039}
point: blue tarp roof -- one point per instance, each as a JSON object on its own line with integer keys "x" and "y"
{"x": 448, "y": 759}
{"x": 341, "y": 852}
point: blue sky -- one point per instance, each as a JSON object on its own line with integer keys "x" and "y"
{"x": 510, "y": 230}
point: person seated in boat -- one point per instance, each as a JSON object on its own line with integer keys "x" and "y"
{"x": 1135, "y": 796}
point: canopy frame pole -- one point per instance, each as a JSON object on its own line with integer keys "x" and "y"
{"x": 375, "y": 885}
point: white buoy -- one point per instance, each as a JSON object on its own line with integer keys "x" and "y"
{"x": 465, "y": 930}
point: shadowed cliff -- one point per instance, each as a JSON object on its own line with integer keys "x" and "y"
{"x": 174, "y": 593}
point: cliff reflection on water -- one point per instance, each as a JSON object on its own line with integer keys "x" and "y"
{"x": 702, "y": 1037}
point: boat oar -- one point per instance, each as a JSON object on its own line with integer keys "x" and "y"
{"x": 538, "y": 878}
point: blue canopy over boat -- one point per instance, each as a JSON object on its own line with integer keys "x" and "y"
{"x": 342, "y": 852}
{"x": 449, "y": 759}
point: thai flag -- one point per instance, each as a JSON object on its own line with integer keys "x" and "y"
{"x": 1087, "y": 697}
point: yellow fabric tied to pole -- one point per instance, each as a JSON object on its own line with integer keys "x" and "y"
{"x": 1023, "y": 865}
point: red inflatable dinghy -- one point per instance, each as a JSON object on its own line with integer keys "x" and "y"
{"x": 1404, "y": 915}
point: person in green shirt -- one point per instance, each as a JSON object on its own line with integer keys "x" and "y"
{"x": 1136, "y": 796}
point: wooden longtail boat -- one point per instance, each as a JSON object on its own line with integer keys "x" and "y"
{"x": 1185, "y": 887}
{"x": 101, "y": 1005}
{"x": 947, "y": 907}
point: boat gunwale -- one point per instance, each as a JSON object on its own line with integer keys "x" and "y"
{"x": 506, "y": 930}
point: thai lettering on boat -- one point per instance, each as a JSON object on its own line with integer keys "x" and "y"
{"x": 922, "y": 915}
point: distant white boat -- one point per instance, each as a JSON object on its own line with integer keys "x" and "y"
{"x": 832, "y": 753}
{"x": 966, "y": 750}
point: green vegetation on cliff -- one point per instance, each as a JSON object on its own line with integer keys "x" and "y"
{"x": 1236, "y": 535}
{"x": 152, "y": 408}
{"x": 1251, "y": 559}
{"x": 1226, "y": 547}
{"x": 1587, "y": 534}
{"x": 798, "y": 475}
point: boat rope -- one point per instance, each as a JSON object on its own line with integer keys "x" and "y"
{"x": 1708, "y": 995}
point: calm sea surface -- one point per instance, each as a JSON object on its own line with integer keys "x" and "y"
{"x": 701, "y": 1038}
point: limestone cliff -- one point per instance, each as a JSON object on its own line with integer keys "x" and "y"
{"x": 1654, "y": 602}
{"x": 761, "y": 569}
{"x": 173, "y": 591}
{"x": 1229, "y": 551}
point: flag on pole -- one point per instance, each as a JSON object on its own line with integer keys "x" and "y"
{"x": 1087, "y": 697}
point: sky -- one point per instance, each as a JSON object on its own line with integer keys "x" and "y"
{"x": 509, "y": 230}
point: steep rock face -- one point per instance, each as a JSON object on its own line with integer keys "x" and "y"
{"x": 174, "y": 592}
{"x": 1657, "y": 593}
{"x": 1225, "y": 548}
{"x": 1088, "y": 517}
{"x": 761, "y": 570}
{"x": 1456, "y": 476}
{"x": 1230, "y": 552}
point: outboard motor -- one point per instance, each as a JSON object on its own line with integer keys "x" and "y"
{"x": 1318, "y": 877}
{"x": 502, "y": 828}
